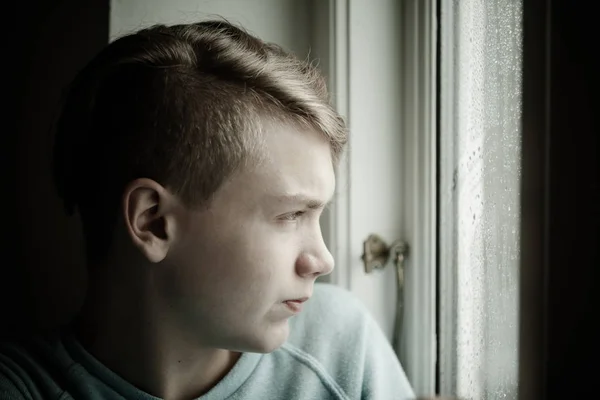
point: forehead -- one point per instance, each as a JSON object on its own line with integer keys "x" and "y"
{"x": 297, "y": 159}
{"x": 292, "y": 162}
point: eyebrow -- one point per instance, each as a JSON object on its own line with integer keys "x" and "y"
{"x": 311, "y": 203}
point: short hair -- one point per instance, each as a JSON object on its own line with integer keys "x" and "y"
{"x": 182, "y": 105}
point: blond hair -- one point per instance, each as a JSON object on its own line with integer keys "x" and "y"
{"x": 181, "y": 105}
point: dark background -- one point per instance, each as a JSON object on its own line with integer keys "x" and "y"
{"x": 559, "y": 214}
{"x": 43, "y": 46}
{"x": 41, "y": 276}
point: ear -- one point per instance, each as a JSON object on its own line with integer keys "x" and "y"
{"x": 148, "y": 211}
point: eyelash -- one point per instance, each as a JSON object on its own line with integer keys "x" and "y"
{"x": 293, "y": 216}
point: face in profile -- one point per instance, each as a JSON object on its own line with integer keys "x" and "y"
{"x": 259, "y": 244}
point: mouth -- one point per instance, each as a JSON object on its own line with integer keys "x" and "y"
{"x": 295, "y": 305}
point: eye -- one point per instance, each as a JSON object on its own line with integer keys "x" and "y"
{"x": 293, "y": 216}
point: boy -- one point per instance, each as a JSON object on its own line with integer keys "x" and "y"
{"x": 199, "y": 159}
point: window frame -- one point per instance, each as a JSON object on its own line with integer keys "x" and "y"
{"x": 419, "y": 341}
{"x": 418, "y": 179}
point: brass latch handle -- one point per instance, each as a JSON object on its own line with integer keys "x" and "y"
{"x": 376, "y": 254}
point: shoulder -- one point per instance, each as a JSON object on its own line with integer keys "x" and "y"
{"x": 15, "y": 358}
{"x": 28, "y": 367}
{"x": 337, "y": 335}
{"x": 337, "y": 300}
{"x": 335, "y": 307}
{"x": 331, "y": 320}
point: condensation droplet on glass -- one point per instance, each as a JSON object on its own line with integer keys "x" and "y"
{"x": 486, "y": 83}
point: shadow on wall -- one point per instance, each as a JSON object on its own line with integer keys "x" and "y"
{"x": 42, "y": 278}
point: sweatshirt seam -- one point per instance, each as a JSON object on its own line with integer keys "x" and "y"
{"x": 316, "y": 366}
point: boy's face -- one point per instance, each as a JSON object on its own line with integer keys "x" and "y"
{"x": 234, "y": 265}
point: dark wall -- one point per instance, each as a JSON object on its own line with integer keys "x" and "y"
{"x": 41, "y": 274}
{"x": 559, "y": 292}
{"x": 573, "y": 200}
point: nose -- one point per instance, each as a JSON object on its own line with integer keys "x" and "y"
{"x": 316, "y": 261}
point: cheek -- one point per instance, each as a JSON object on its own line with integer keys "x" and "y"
{"x": 248, "y": 262}
{"x": 238, "y": 264}
{"x": 228, "y": 288}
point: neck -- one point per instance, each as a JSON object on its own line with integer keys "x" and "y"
{"x": 131, "y": 335}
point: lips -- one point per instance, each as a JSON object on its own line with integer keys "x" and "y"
{"x": 295, "y": 305}
{"x": 300, "y": 300}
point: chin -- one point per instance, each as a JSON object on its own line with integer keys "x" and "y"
{"x": 269, "y": 341}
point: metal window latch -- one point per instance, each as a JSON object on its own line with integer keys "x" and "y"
{"x": 376, "y": 254}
